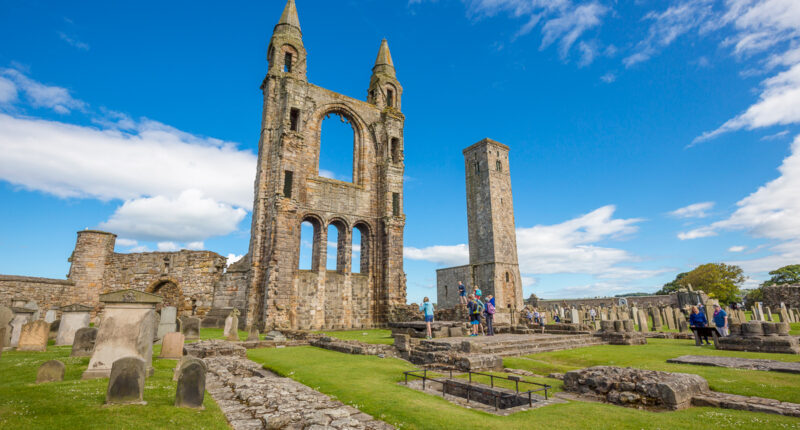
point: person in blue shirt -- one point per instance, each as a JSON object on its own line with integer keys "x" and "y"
{"x": 474, "y": 307}
{"x": 427, "y": 309}
{"x": 462, "y": 293}
{"x": 720, "y": 320}
{"x": 698, "y": 319}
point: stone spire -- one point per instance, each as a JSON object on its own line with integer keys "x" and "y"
{"x": 289, "y": 16}
{"x": 384, "y": 64}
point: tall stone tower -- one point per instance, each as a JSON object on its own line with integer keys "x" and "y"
{"x": 289, "y": 191}
{"x": 93, "y": 250}
{"x": 490, "y": 217}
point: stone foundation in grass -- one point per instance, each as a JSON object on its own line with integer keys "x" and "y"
{"x": 760, "y": 336}
{"x": 620, "y": 332}
{"x": 738, "y": 363}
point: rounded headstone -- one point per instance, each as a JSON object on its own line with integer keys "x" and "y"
{"x": 50, "y": 371}
{"x": 83, "y": 343}
{"x": 172, "y": 346}
{"x": 191, "y": 384}
{"x": 126, "y": 383}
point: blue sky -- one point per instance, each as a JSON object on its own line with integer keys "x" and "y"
{"x": 646, "y": 137}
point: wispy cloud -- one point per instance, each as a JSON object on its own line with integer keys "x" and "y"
{"x": 696, "y": 210}
{"x": 36, "y": 93}
{"x": 73, "y": 41}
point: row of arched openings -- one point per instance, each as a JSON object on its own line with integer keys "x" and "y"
{"x": 345, "y": 246}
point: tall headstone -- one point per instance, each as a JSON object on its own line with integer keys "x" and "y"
{"x": 22, "y": 316}
{"x": 784, "y": 316}
{"x": 126, "y": 330}
{"x": 254, "y": 335}
{"x": 73, "y": 318}
{"x": 679, "y": 319}
{"x": 83, "y": 342}
{"x": 760, "y": 311}
{"x": 172, "y": 346}
{"x": 575, "y": 317}
{"x": 6, "y": 315}
{"x": 191, "y": 384}
{"x": 167, "y": 324}
{"x": 635, "y": 315}
{"x": 670, "y": 318}
{"x": 561, "y": 313}
{"x": 50, "y": 371}
{"x": 126, "y": 382}
{"x": 33, "y": 336}
{"x": 50, "y": 316}
{"x": 768, "y": 313}
{"x": 656, "y": 314}
{"x": 231, "y": 331}
{"x": 643, "y": 322}
{"x": 190, "y": 328}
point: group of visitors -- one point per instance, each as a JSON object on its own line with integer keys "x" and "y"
{"x": 697, "y": 318}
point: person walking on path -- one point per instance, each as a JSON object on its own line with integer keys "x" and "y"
{"x": 490, "y": 310}
{"x": 698, "y": 319}
{"x": 474, "y": 309}
{"x": 720, "y": 320}
{"x": 427, "y": 309}
{"x": 462, "y": 293}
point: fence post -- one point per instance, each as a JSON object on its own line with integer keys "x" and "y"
{"x": 517, "y": 384}
{"x": 491, "y": 378}
{"x": 530, "y": 402}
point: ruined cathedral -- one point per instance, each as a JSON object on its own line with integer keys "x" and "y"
{"x": 267, "y": 285}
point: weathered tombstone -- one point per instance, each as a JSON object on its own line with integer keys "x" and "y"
{"x": 33, "y": 306}
{"x": 784, "y": 316}
{"x": 575, "y": 317}
{"x": 768, "y": 313}
{"x": 253, "y": 334}
{"x": 83, "y": 342}
{"x": 628, "y": 325}
{"x": 73, "y": 318}
{"x": 33, "y": 336}
{"x": 231, "y": 331}
{"x": 643, "y": 322}
{"x": 167, "y": 322}
{"x": 635, "y": 315}
{"x": 126, "y": 382}
{"x": 190, "y": 328}
{"x": 22, "y": 316}
{"x": 6, "y": 315}
{"x": 50, "y": 371}
{"x": 680, "y": 320}
{"x": 670, "y": 318}
{"x": 172, "y": 346}
{"x": 126, "y": 330}
{"x": 561, "y": 313}
{"x": 2, "y": 338}
{"x": 656, "y": 314}
{"x": 759, "y": 315}
{"x": 50, "y": 316}
{"x": 277, "y": 336}
{"x": 191, "y": 384}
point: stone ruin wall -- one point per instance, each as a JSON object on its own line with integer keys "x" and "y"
{"x": 447, "y": 282}
{"x": 47, "y": 293}
{"x": 788, "y": 294}
{"x": 638, "y": 301}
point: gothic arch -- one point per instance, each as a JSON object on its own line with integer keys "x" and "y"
{"x": 169, "y": 290}
{"x": 362, "y": 155}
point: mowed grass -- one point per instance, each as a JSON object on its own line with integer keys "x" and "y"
{"x": 374, "y": 336}
{"x": 372, "y": 385}
{"x": 77, "y": 404}
{"x": 654, "y": 356}
{"x": 218, "y": 333}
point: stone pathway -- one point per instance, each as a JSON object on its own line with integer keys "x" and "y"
{"x": 253, "y": 398}
{"x": 738, "y": 363}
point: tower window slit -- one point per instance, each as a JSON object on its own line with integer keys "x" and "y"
{"x": 287, "y": 183}
{"x": 294, "y": 119}
{"x": 395, "y": 204}
{"x": 389, "y": 98}
{"x": 395, "y": 149}
{"x": 287, "y": 62}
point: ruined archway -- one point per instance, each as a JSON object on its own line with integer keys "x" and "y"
{"x": 170, "y": 292}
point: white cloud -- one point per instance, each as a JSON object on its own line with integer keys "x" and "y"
{"x": 196, "y": 246}
{"x": 41, "y": 95}
{"x": 570, "y": 25}
{"x": 327, "y": 174}
{"x": 8, "y": 91}
{"x": 609, "y": 77}
{"x": 189, "y": 217}
{"x": 126, "y": 242}
{"x": 141, "y": 248}
{"x": 451, "y": 255}
{"x": 777, "y": 135}
{"x": 696, "y": 210}
{"x": 737, "y": 248}
{"x": 772, "y": 212}
{"x": 168, "y": 247}
{"x": 232, "y": 258}
{"x": 73, "y": 41}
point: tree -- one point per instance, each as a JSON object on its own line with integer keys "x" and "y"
{"x": 718, "y": 280}
{"x": 754, "y": 295}
{"x": 785, "y": 275}
{"x": 671, "y": 287}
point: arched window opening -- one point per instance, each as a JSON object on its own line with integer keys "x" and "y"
{"x": 361, "y": 242}
{"x": 287, "y": 62}
{"x": 395, "y": 150}
{"x": 389, "y": 97}
{"x": 499, "y": 166}
{"x": 336, "y": 147}
{"x": 309, "y": 245}
{"x": 333, "y": 247}
{"x": 508, "y": 276}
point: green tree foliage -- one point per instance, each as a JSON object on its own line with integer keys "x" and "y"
{"x": 718, "y": 280}
{"x": 785, "y": 275}
{"x": 754, "y": 295}
{"x": 673, "y": 286}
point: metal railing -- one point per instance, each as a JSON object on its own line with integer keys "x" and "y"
{"x": 497, "y": 396}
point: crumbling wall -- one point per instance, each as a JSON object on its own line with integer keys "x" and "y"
{"x": 788, "y": 294}
{"x": 47, "y": 293}
{"x": 447, "y": 285}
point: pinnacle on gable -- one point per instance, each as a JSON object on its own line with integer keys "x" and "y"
{"x": 289, "y": 15}
{"x": 384, "y": 56}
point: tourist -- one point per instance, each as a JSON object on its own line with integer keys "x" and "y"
{"x": 528, "y": 315}
{"x": 477, "y": 292}
{"x": 427, "y": 309}
{"x": 490, "y": 310}
{"x": 535, "y": 316}
{"x": 482, "y": 315}
{"x": 592, "y": 313}
{"x": 556, "y": 318}
{"x": 474, "y": 309}
{"x": 698, "y": 319}
{"x": 720, "y": 320}
{"x": 462, "y": 293}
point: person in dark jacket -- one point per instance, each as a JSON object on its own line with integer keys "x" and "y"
{"x": 698, "y": 319}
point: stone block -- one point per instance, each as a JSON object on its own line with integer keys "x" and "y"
{"x": 126, "y": 382}
{"x": 752, "y": 328}
{"x": 33, "y": 336}
{"x": 627, "y": 326}
{"x": 253, "y": 334}
{"x": 73, "y": 318}
{"x": 190, "y": 328}
{"x": 191, "y": 384}
{"x": 231, "y": 331}
{"x": 6, "y": 315}
{"x": 50, "y": 371}
{"x": 275, "y": 336}
{"x": 172, "y": 346}
{"x": 83, "y": 342}
{"x": 21, "y": 317}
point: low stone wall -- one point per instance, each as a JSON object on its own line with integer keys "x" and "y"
{"x": 788, "y": 294}
{"x": 636, "y": 387}
{"x": 620, "y": 333}
{"x": 47, "y": 293}
{"x": 638, "y": 301}
{"x": 757, "y": 336}
{"x": 352, "y": 346}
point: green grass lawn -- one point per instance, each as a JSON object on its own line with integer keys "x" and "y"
{"x": 371, "y": 384}
{"x": 653, "y": 356}
{"x": 77, "y": 404}
{"x": 375, "y": 336}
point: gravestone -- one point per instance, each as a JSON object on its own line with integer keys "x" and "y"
{"x": 167, "y": 322}
{"x": 83, "y": 342}
{"x": 656, "y": 314}
{"x": 33, "y": 336}
{"x": 50, "y": 316}
{"x": 126, "y": 330}
{"x": 253, "y": 334}
{"x": 31, "y": 305}
{"x": 172, "y": 346}
{"x": 784, "y": 316}
{"x": 2, "y": 338}
{"x": 50, "y": 371}
{"x": 126, "y": 382}
{"x": 575, "y": 317}
{"x": 190, "y": 328}
{"x": 277, "y": 336}
{"x": 561, "y": 313}
{"x": 22, "y": 316}
{"x": 680, "y": 320}
{"x": 191, "y": 384}
{"x": 231, "y": 331}
{"x": 643, "y": 322}
{"x": 6, "y": 315}
{"x": 670, "y": 318}
{"x": 73, "y": 318}
{"x": 759, "y": 312}
{"x": 768, "y": 313}
{"x": 635, "y": 315}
